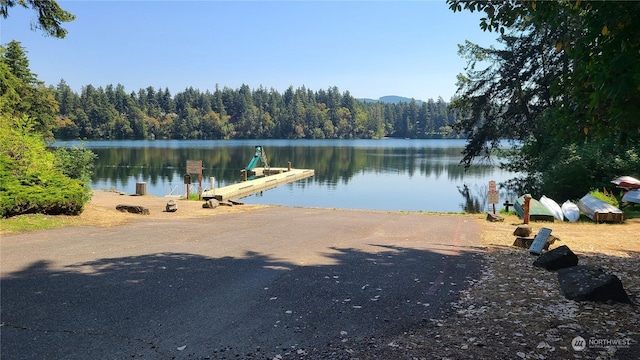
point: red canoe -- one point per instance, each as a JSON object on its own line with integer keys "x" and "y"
{"x": 627, "y": 183}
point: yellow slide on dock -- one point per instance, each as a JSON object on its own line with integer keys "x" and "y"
{"x": 280, "y": 176}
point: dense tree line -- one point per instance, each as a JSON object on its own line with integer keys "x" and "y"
{"x": 244, "y": 113}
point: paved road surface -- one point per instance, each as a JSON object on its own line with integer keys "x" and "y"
{"x": 293, "y": 282}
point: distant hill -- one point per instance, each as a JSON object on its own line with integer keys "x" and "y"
{"x": 393, "y": 99}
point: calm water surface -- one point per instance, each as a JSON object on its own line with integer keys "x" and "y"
{"x": 390, "y": 174}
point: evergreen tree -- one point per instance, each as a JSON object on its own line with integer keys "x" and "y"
{"x": 25, "y": 94}
{"x": 66, "y": 98}
{"x": 50, "y": 15}
{"x": 16, "y": 59}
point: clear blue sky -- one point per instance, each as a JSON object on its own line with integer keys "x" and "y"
{"x": 369, "y": 48}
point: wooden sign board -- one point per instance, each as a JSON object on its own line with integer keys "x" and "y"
{"x": 194, "y": 167}
{"x": 539, "y": 241}
{"x": 492, "y": 196}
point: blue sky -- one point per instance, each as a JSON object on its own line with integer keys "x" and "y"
{"x": 369, "y": 48}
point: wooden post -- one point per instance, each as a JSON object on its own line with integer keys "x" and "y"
{"x": 187, "y": 181}
{"x": 288, "y": 165}
{"x": 525, "y": 207}
{"x": 244, "y": 175}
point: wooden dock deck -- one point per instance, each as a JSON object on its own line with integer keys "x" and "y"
{"x": 278, "y": 176}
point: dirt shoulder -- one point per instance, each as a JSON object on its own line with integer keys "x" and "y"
{"x": 101, "y": 210}
{"x": 517, "y": 311}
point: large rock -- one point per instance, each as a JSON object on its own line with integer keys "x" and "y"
{"x": 558, "y": 258}
{"x": 172, "y": 206}
{"x": 522, "y": 231}
{"x": 587, "y": 283}
{"x": 134, "y": 209}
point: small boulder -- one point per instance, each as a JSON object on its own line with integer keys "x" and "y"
{"x": 491, "y": 217}
{"x": 211, "y": 204}
{"x": 587, "y": 283}
{"x": 172, "y": 206}
{"x": 523, "y": 242}
{"x": 552, "y": 239}
{"x": 558, "y": 258}
{"x": 134, "y": 209}
{"x": 523, "y": 231}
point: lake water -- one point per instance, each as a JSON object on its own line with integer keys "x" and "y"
{"x": 389, "y": 174}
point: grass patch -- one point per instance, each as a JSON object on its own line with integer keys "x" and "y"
{"x": 192, "y": 196}
{"x": 30, "y": 222}
{"x": 510, "y": 212}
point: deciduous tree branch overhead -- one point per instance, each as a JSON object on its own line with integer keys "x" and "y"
{"x": 564, "y": 83}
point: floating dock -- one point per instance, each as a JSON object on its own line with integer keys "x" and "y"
{"x": 269, "y": 179}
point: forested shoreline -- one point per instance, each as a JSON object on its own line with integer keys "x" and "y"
{"x": 113, "y": 113}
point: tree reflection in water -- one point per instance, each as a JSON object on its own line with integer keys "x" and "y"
{"x": 393, "y": 174}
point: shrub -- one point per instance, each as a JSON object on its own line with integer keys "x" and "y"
{"x": 607, "y": 197}
{"x": 76, "y": 163}
{"x": 46, "y": 193}
{"x": 29, "y": 180}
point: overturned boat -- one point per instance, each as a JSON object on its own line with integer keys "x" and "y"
{"x": 627, "y": 183}
{"x": 599, "y": 210}
{"x": 631, "y": 196}
{"x": 537, "y": 211}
